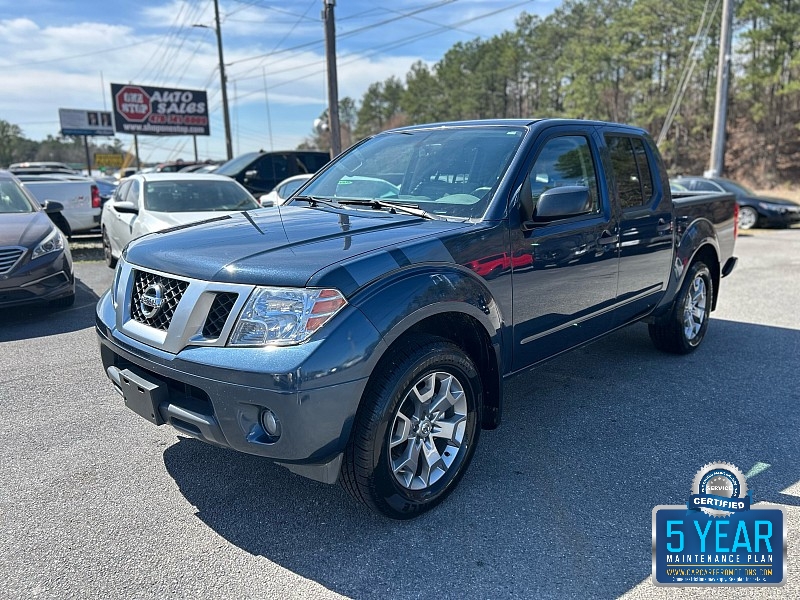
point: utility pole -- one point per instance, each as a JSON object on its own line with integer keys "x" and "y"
{"x": 223, "y": 84}
{"x": 721, "y": 105}
{"x": 333, "y": 85}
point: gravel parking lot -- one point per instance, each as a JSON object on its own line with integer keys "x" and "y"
{"x": 95, "y": 502}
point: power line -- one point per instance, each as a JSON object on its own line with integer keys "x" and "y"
{"x": 346, "y": 34}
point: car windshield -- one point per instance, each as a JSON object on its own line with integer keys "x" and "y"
{"x": 450, "y": 172}
{"x": 234, "y": 165}
{"x": 196, "y": 196}
{"x": 734, "y": 188}
{"x": 13, "y": 199}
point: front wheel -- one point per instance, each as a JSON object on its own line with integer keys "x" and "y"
{"x": 416, "y": 430}
{"x": 685, "y": 327}
{"x": 108, "y": 255}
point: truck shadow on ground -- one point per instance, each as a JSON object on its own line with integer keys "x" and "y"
{"x": 558, "y": 501}
{"x": 41, "y": 320}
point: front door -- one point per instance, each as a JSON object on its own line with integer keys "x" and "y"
{"x": 564, "y": 269}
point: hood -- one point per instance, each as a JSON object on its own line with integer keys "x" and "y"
{"x": 24, "y": 229}
{"x": 288, "y": 245}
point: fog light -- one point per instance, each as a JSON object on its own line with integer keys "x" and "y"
{"x": 271, "y": 425}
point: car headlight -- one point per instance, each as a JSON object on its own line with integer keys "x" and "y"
{"x": 770, "y": 206}
{"x": 52, "y": 243}
{"x": 284, "y": 316}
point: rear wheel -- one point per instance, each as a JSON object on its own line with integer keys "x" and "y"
{"x": 107, "y": 253}
{"x": 685, "y": 327}
{"x": 748, "y": 217}
{"x": 416, "y": 431}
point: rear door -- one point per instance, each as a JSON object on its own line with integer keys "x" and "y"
{"x": 564, "y": 269}
{"x": 641, "y": 191}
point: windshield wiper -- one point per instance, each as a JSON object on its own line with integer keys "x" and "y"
{"x": 392, "y": 207}
{"x": 315, "y": 200}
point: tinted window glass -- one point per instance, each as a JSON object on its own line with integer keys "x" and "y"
{"x": 273, "y": 168}
{"x": 644, "y": 169}
{"x": 626, "y": 172}
{"x": 564, "y": 161}
{"x": 705, "y": 186}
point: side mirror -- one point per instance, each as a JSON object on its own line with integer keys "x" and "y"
{"x": 51, "y": 206}
{"x": 265, "y": 200}
{"x": 126, "y": 207}
{"x": 562, "y": 202}
{"x": 251, "y": 174}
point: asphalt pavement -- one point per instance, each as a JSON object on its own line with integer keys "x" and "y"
{"x": 95, "y": 502}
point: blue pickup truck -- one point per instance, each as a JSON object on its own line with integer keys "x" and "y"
{"x": 364, "y": 331}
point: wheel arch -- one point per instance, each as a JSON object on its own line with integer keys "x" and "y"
{"x": 697, "y": 242}
{"x": 447, "y": 304}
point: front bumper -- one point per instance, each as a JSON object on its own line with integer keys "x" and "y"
{"x": 779, "y": 216}
{"x": 218, "y": 394}
{"x": 41, "y": 280}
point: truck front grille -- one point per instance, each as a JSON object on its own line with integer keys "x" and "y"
{"x": 219, "y": 313}
{"x": 169, "y": 292}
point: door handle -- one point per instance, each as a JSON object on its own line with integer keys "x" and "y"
{"x": 607, "y": 238}
{"x": 663, "y": 226}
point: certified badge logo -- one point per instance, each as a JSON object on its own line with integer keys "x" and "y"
{"x": 151, "y": 300}
{"x": 718, "y": 537}
{"x": 719, "y": 489}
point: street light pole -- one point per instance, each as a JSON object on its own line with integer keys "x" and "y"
{"x": 223, "y": 84}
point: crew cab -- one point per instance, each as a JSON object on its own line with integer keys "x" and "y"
{"x": 369, "y": 339}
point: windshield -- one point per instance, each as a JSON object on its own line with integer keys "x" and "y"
{"x": 234, "y": 165}
{"x": 450, "y": 171}
{"x": 734, "y": 188}
{"x": 196, "y": 196}
{"x": 13, "y": 199}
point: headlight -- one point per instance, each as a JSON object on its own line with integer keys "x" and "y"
{"x": 52, "y": 243}
{"x": 770, "y": 206}
{"x": 284, "y": 316}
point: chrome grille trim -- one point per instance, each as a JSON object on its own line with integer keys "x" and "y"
{"x": 9, "y": 257}
{"x": 186, "y": 326}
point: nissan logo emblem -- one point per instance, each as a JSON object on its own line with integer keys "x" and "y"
{"x": 151, "y": 300}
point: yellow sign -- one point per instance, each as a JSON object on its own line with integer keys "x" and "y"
{"x": 108, "y": 160}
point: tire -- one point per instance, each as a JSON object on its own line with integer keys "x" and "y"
{"x": 748, "y": 217}
{"x": 108, "y": 255}
{"x": 64, "y": 301}
{"x": 685, "y": 327}
{"x": 400, "y": 460}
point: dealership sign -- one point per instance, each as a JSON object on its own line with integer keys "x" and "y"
{"x": 146, "y": 110}
{"x": 85, "y": 122}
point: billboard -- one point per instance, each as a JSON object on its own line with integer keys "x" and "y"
{"x": 85, "y": 122}
{"x": 147, "y": 110}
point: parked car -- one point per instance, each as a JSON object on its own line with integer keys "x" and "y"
{"x": 356, "y": 336}
{"x": 260, "y": 172}
{"x": 79, "y": 195}
{"x": 146, "y": 203}
{"x": 41, "y": 168}
{"x": 281, "y": 192}
{"x": 754, "y": 210}
{"x": 35, "y": 262}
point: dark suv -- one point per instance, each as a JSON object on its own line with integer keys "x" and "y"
{"x": 259, "y": 172}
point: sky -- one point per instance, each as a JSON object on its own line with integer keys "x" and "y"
{"x": 66, "y": 53}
